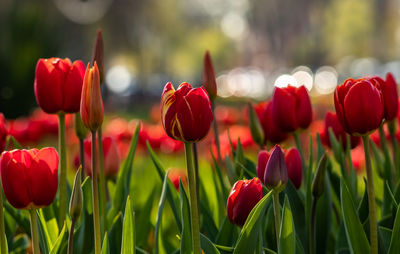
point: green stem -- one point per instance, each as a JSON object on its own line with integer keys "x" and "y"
{"x": 95, "y": 198}
{"x": 3, "y": 239}
{"x": 395, "y": 148}
{"x": 311, "y": 239}
{"x": 71, "y": 238}
{"x": 102, "y": 188}
{"x": 82, "y": 158}
{"x": 216, "y": 133}
{"x": 277, "y": 214}
{"x": 300, "y": 148}
{"x": 194, "y": 216}
{"x": 371, "y": 198}
{"x": 34, "y": 231}
{"x": 196, "y": 171}
{"x": 62, "y": 210}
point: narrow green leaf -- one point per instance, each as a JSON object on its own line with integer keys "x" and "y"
{"x": 128, "y": 229}
{"x": 61, "y": 238}
{"x": 207, "y": 246}
{"x": 249, "y": 235}
{"x": 226, "y": 233}
{"x": 384, "y": 234}
{"x": 297, "y": 204}
{"x": 16, "y": 144}
{"x": 105, "y": 248}
{"x": 356, "y": 237}
{"x": 160, "y": 210}
{"x": 287, "y": 239}
{"x": 186, "y": 234}
{"x": 115, "y": 234}
{"x": 395, "y": 243}
{"x": 143, "y": 229}
{"x": 43, "y": 225}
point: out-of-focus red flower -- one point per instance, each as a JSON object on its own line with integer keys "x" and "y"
{"x": 29, "y": 177}
{"x": 209, "y": 81}
{"x": 111, "y": 155}
{"x": 291, "y": 108}
{"x": 3, "y": 133}
{"x": 359, "y": 106}
{"x": 226, "y": 115}
{"x": 186, "y": 112}
{"x": 272, "y": 132}
{"x": 91, "y": 102}
{"x": 332, "y": 122}
{"x": 174, "y": 175}
{"x": 358, "y": 158}
{"x": 58, "y": 85}
{"x": 244, "y": 195}
{"x": 389, "y": 95}
{"x": 155, "y": 114}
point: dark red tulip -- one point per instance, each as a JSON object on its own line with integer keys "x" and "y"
{"x": 186, "y": 112}
{"x": 390, "y": 97}
{"x": 293, "y": 166}
{"x": 58, "y": 85}
{"x": 332, "y": 122}
{"x": 272, "y": 132}
{"x": 209, "y": 81}
{"x": 29, "y": 177}
{"x": 111, "y": 155}
{"x": 359, "y": 106}
{"x": 3, "y": 133}
{"x": 291, "y": 108}
{"x": 275, "y": 175}
{"x": 244, "y": 195}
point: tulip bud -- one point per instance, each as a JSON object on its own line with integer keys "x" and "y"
{"x": 209, "y": 81}
{"x": 98, "y": 54}
{"x": 91, "y": 101}
{"x": 80, "y": 129}
{"x": 318, "y": 183}
{"x": 75, "y": 204}
{"x": 3, "y": 133}
{"x": 275, "y": 176}
{"x": 294, "y": 167}
{"x": 255, "y": 127}
{"x": 244, "y": 195}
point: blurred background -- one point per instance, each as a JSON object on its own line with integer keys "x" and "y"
{"x": 254, "y": 44}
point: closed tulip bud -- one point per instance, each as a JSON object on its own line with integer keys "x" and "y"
{"x": 29, "y": 177}
{"x": 332, "y": 122}
{"x": 186, "y": 112}
{"x": 318, "y": 184}
{"x": 3, "y": 133}
{"x": 58, "y": 85}
{"x": 255, "y": 127}
{"x": 75, "y": 204}
{"x": 275, "y": 175}
{"x": 291, "y": 108}
{"x": 80, "y": 129}
{"x": 209, "y": 80}
{"x": 272, "y": 132}
{"x": 294, "y": 167}
{"x": 91, "y": 101}
{"x": 244, "y": 195}
{"x": 359, "y": 106}
{"x": 98, "y": 55}
{"x": 112, "y": 158}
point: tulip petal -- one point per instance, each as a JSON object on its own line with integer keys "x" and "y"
{"x": 72, "y": 87}
{"x": 283, "y": 108}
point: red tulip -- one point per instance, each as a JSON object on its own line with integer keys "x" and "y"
{"x": 91, "y": 101}
{"x": 293, "y": 165}
{"x": 3, "y": 133}
{"x": 263, "y": 157}
{"x": 389, "y": 95}
{"x": 29, "y": 177}
{"x": 58, "y": 85}
{"x": 272, "y": 132}
{"x": 111, "y": 155}
{"x": 359, "y": 106}
{"x": 275, "y": 175}
{"x": 244, "y": 195}
{"x": 209, "y": 81}
{"x": 291, "y": 108}
{"x": 186, "y": 112}
{"x": 332, "y": 122}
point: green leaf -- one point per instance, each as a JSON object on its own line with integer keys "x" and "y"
{"x": 249, "y": 235}
{"x": 297, "y": 204}
{"x": 226, "y": 233}
{"x": 128, "y": 229}
{"x": 395, "y": 243}
{"x": 18, "y": 216}
{"x": 186, "y": 234}
{"x": 385, "y": 234}
{"x": 43, "y": 226}
{"x": 123, "y": 180}
{"x": 115, "y": 235}
{"x": 143, "y": 229}
{"x": 20, "y": 244}
{"x": 16, "y": 144}
{"x": 287, "y": 239}
{"x": 160, "y": 210}
{"x": 207, "y": 246}
{"x": 356, "y": 237}
{"x": 105, "y": 248}
{"x": 61, "y": 238}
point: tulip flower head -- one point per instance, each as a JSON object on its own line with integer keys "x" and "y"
{"x": 359, "y": 106}
{"x": 390, "y": 96}
{"x": 209, "y": 81}
{"x": 275, "y": 175}
{"x": 186, "y": 112}
{"x": 332, "y": 122}
{"x": 58, "y": 85}
{"x": 244, "y": 195}
{"x": 29, "y": 177}
{"x": 3, "y": 133}
{"x": 91, "y": 101}
{"x": 272, "y": 132}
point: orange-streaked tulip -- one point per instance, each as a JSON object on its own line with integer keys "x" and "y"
{"x": 58, "y": 85}
{"x": 186, "y": 112}
{"x": 209, "y": 80}
{"x": 91, "y": 101}
{"x": 29, "y": 177}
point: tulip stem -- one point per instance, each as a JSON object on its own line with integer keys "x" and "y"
{"x": 102, "y": 183}
{"x": 71, "y": 237}
{"x": 196, "y": 171}
{"x": 371, "y": 198}
{"x": 3, "y": 239}
{"x": 62, "y": 210}
{"x": 34, "y": 231}
{"x": 216, "y": 133}
{"x": 194, "y": 216}
{"x": 395, "y": 148}
{"x": 277, "y": 213}
{"x": 82, "y": 158}
{"x": 300, "y": 148}
{"x": 95, "y": 198}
